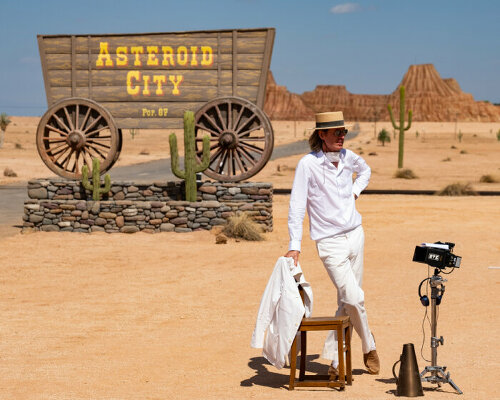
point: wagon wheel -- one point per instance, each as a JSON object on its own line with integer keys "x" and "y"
{"x": 241, "y": 138}
{"x": 73, "y": 132}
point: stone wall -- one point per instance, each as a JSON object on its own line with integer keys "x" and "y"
{"x": 63, "y": 205}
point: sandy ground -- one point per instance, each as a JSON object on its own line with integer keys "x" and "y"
{"x": 138, "y": 317}
{"x": 141, "y": 317}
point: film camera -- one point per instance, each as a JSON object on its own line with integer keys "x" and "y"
{"x": 437, "y": 255}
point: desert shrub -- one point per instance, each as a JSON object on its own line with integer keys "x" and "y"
{"x": 416, "y": 134}
{"x": 18, "y": 146}
{"x": 144, "y": 152}
{"x": 457, "y": 189}
{"x": 242, "y": 226}
{"x": 405, "y": 174}
{"x": 463, "y": 151}
{"x": 446, "y": 159}
{"x": 498, "y": 135}
{"x": 8, "y": 172}
{"x": 453, "y": 147}
{"x": 460, "y": 136}
{"x": 488, "y": 179}
{"x": 383, "y": 136}
{"x": 372, "y": 153}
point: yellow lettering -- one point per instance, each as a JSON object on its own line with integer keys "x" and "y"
{"x": 137, "y": 50}
{"x": 159, "y": 79}
{"x": 176, "y": 81}
{"x": 182, "y": 59}
{"x": 146, "y": 91}
{"x": 207, "y": 58}
{"x": 104, "y": 57}
{"x": 152, "y": 52}
{"x": 194, "y": 61}
{"x": 168, "y": 54}
{"x": 133, "y": 90}
{"x": 121, "y": 56}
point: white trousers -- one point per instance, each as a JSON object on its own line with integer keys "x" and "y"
{"x": 342, "y": 256}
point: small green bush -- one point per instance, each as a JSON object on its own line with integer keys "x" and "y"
{"x": 457, "y": 189}
{"x": 405, "y": 174}
{"x": 383, "y": 136}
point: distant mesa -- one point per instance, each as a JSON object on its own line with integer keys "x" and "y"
{"x": 430, "y": 97}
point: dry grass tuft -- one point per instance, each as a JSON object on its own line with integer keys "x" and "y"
{"x": 405, "y": 174}
{"x": 458, "y": 189}
{"x": 446, "y": 159}
{"x": 488, "y": 179}
{"x": 242, "y": 226}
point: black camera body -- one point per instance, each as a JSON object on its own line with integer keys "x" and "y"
{"x": 437, "y": 255}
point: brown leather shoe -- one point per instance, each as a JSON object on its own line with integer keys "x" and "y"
{"x": 372, "y": 362}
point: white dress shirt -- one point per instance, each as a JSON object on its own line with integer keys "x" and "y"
{"x": 327, "y": 193}
{"x": 281, "y": 311}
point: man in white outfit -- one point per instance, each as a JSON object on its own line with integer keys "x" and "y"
{"x": 323, "y": 186}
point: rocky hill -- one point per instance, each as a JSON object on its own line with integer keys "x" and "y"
{"x": 430, "y": 97}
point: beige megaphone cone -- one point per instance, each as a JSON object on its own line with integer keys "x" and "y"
{"x": 408, "y": 383}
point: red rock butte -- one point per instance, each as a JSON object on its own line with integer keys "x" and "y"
{"x": 430, "y": 97}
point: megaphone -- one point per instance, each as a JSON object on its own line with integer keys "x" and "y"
{"x": 408, "y": 383}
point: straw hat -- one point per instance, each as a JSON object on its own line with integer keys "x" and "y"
{"x": 328, "y": 120}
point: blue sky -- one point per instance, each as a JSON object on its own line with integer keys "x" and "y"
{"x": 365, "y": 45}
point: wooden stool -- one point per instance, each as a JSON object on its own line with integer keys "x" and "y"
{"x": 343, "y": 328}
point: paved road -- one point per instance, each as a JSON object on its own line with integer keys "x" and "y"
{"x": 12, "y": 197}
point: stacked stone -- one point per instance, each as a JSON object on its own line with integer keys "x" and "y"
{"x": 49, "y": 211}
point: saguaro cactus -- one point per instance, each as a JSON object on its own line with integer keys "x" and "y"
{"x": 95, "y": 186}
{"x": 191, "y": 167}
{"x": 401, "y": 126}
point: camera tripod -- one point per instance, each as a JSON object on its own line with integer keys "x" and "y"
{"x": 437, "y": 373}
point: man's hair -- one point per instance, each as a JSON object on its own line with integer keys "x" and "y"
{"x": 315, "y": 142}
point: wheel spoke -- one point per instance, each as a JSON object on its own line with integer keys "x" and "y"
{"x": 212, "y": 139}
{"x": 245, "y": 123}
{"x": 249, "y": 158}
{"x": 54, "y": 129}
{"x": 65, "y": 162}
{"x": 252, "y": 147}
{"x": 229, "y": 116}
{"x": 212, "y": 122}
{"x": 238, "y": 117}
{"x": 85, "y": 119}
{"x": 87, "y": 158}
{"x": 53, "y": 150}
{"x": 76, "y": 115}
{"x": 97, "y": 150}
{"x": 250, "y": 130}
{"x": 223, "y": 161}
{"x": 207, "y": 129}
{"x": 60, "y": 153}
{"x": 75, "y": 167}
{"x": 238, "y": 161}
{"x": 92, "y": 124}
{"x": 215, "y": 155}
{"x": 99, "y": 144}
{"x": 61, "y": 123}
{"x": 254, "y": 139}
{"x": 223, "y": 123}
{"x": 101, "y": 138}
{"x": 53, "y": 140}
{"x": 70, "y": 122}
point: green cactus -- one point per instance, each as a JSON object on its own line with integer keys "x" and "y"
{"x": 401, "y": 127}
{"x": 190, "y": 165}
{"x": 95, "y": 186}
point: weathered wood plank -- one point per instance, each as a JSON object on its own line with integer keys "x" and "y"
{"x": 150, "y": 110}
{"x": 150, "y": 123}
{"x": 62, "y": 78}
{"x": 188, "y": 94}
{"x": 62, "y": 45}
{"x": 63, "y": 61}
